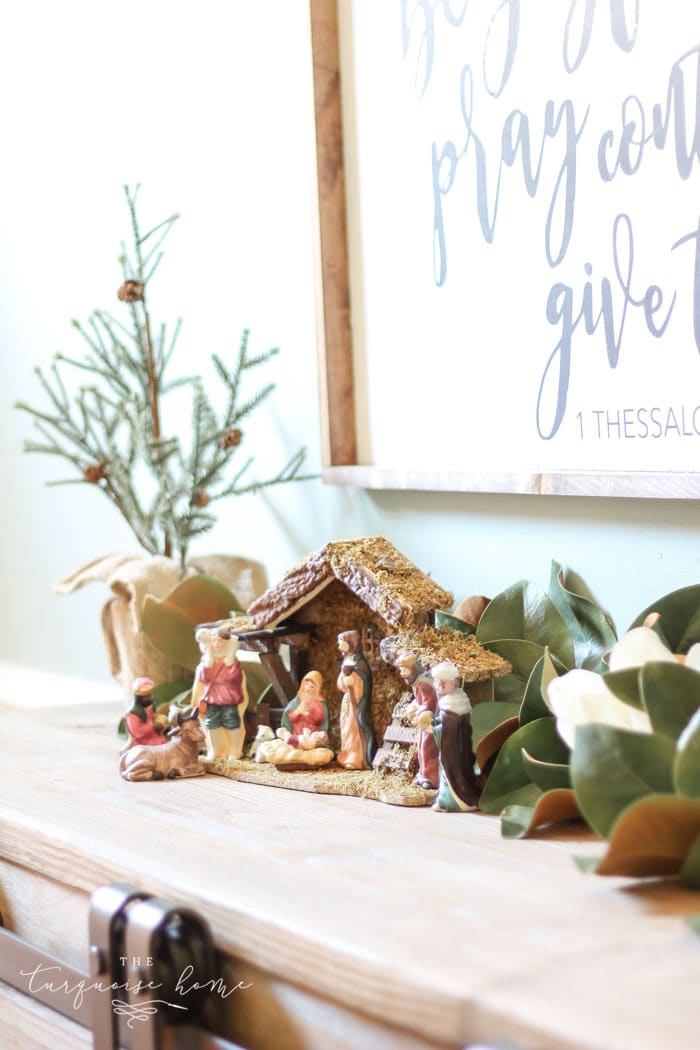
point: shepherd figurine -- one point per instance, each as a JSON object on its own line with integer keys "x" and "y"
{"x": 220, "y": 693}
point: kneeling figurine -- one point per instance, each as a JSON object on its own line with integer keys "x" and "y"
{"x": 176, "y": 757}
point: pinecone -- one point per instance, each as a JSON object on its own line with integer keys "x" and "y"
{"x": 231, "y": 438}
{"x": 95, "y": 472}
{"x": 131, "y": 291}
{"x": 201, "y": 498}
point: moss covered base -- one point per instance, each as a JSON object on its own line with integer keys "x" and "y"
{"x": 390, "y": 786}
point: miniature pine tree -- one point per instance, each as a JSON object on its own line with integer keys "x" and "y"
{"x": 110, "y": 427}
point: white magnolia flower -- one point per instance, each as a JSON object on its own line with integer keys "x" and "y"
{"x": 638, "y": 647}
{"x": 692, "y": 658}
{"x": 580, "y": 697}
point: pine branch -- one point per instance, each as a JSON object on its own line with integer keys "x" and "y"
{"x": 108, "y": 374}
{"x": 289, "y": 472}
{"x": 122, "y": 355}
{"x": 166, "y": 357}
{"x": 261, "y": 359}
{"x": 251, "y": 405}
{"x": 109, "y": 430}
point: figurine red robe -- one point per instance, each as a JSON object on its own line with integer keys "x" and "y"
{"x": 140, "y": 726}
{"x": 428, "y": 775}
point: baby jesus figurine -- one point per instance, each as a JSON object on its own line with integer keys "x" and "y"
{"x": 302, "y": 738}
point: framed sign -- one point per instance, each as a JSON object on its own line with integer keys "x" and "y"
{"x": 509, "y": 203}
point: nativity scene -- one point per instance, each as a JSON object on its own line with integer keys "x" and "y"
{"x": 348, "y": 640}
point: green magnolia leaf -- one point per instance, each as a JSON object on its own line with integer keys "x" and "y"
{"x": 509, "y": 782}
{"x": 690, "y": 872}
{"x": 534, "y": 704}
{"x": 554, "y": 807}
{"x": 170, "y": 624}
{"x": 489, "y": 745}
{"x": 446, "y": 619}
{"x": 172, "y": 692}
{"x": 267, "y": 695}
{"x": 522, "y": 657}
{"x": 257, "y": 681}
{"x": 654, "y": 836}
{"x": 587, "y": 865}
{"x": 612, "y": 768}
{"x": 625, "y": 685}
{"x": 591, "y": 629}
{"x": 671, "y": 696}
{"x": 686, "y": 765}
{"x": 203, "y": 599}
{"x": 171, "y": 631}
{"x": 547, "y": 775}
{"x": 485, "y": 718}
{"x": 680, "y": 617}
{"x": 524, "y": 611}
{"x": 693, "y": 921}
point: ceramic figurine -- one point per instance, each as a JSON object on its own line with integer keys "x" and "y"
{"x": 305, "y": 750}
{"x": 301, "y": 742}
{"x": 458, "y": 788}
{"x": 424, "y": 701}
{"x": 220, "y": 692}
{"x": 308, "y": 709}
{"x": 142, "y": 723}
{"x": 355, "y": 682}
{"x": 175, "y": 757}
{"x": 263, "y": 735}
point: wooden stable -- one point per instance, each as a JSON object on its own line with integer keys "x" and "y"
{"x": 365, "y": 585}
{"x": 350, "y": 925}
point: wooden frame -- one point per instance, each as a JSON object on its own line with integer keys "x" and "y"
{"x": 339, "y": 430}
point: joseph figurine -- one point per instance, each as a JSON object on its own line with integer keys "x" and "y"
{"x": 357, "y": 744}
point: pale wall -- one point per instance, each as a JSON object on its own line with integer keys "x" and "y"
{"x": 209, "y": 107}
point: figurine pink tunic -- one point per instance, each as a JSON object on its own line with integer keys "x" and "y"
{"x": 428, "y": 755}
{"x": 224, "y": 683}
{"x": 313, "y": 718}
{"x": 219, "y": 692}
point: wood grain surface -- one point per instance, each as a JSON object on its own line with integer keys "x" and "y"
{"x": 335, "y": 358}
{"x": 428, "y": 926}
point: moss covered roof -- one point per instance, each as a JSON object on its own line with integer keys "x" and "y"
{"x": 371, "y": 568}
{"x": 432, "y": 646}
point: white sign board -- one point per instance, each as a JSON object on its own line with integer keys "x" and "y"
{"x": 523, "y": 198}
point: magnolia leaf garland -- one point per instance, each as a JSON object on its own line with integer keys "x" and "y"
{"x": 640, "y": 790}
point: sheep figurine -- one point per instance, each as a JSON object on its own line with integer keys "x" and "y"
{"x": 263, "y": 735}
{"x": 177, "y": 758}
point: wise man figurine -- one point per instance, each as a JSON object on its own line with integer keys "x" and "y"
{"x": 140, "y": 719}
{"x": 220, "y": 692}
{"x": 458, "y": 789}
{"x": 424, "y": 701}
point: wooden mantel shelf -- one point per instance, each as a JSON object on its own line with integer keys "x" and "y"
{"x": 430, "y": 925}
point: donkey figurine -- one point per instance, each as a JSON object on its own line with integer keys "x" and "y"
{"x": 177, "y": 758}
